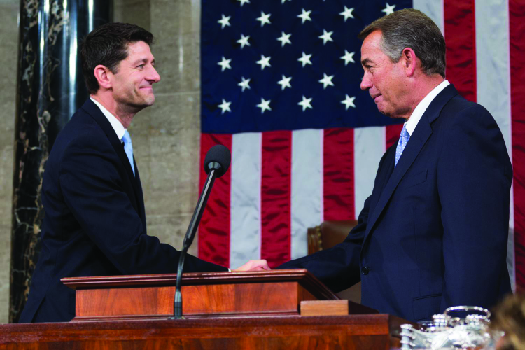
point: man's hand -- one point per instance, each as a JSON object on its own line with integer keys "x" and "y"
{"x": 253, "y": 265}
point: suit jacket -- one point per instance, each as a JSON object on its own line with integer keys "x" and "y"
{"x": 95, "y": 223}
{"x": 433, "y": 234}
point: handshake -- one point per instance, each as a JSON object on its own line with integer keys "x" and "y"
{"x": 253, "y": 265}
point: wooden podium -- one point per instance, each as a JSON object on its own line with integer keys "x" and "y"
{"x": 247, "y": 310}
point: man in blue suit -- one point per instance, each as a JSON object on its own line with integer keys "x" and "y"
{"x": 433, "y": 233}
{"x": 95, "y": 222}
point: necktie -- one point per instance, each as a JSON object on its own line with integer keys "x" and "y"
{"x": 128, "y": 148}
{"x": 403, "y": 140}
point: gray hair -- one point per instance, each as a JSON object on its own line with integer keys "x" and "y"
{"x": 410, "y": 28}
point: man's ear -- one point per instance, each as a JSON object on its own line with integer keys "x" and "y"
{"x": 409, "y": 60}
{"x": 104, "y": 76}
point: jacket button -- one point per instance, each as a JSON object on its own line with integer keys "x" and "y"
{"x": 365, "y": 270}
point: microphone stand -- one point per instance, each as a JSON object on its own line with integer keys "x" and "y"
{"x": 190, "y": 235}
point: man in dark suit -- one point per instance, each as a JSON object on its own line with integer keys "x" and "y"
{"x": 95, "y": 223}
{"x": 433, "y": 233}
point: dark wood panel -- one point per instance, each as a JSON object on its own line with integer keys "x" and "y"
{"x": 284, "y": 332}
{"x": 241, "y": 298}
{"x": 125, "y": 301}
{"x": 203, "y": 294}
{"x": 201, "y": 300}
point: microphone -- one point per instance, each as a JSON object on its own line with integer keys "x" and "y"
{"x": 216, "y": 163}
{"x": 218, "y": 158}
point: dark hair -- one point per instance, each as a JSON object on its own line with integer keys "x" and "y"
{"x": 108, "y": 45}
{"x": 410, "y": 28}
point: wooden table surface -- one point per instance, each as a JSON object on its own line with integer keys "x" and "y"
{"x": 263, "y": 332}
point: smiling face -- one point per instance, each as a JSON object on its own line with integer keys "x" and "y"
{"x": 386, "y": 81}
{"x": 132, "y": 84}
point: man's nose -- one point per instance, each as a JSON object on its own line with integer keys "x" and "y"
{"x": 365, "y": 82}
{"x": 153, "y": 75}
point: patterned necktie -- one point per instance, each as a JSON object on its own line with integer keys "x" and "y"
{"x": 403, "y": 140}
{"x": 128, "y": 148}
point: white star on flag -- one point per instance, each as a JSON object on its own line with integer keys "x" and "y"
{"x": 327, "y": 36}
{"x": 388, "y": 9}
{"x": 283, "y": 1}
{"x": 244, "y": 1}
{"x": 305, "y": 103}
{"x": 225, "y": 106}
{"x": 347, "y": 13}
{"x": 348, "y": 102}
{"x": 224, "y": 21}
{"x": 284, "y": 39}
{"x": 264, "y": 19}
{"x": 225, "y": 64}
{"x": 264, "y": 62}
{"x": 264, "y": 105}
{"x": 326, "y": 81}
{"x": 305, "y": 16}
{"x": 348, "y": 57}
{"x": 245, "y": 84}
{"x": 243, "y": 41}
{"x": 305, "y": 59}
{"x": 285, "y": 82}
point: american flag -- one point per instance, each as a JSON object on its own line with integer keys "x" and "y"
{"x": 280, "y": 88}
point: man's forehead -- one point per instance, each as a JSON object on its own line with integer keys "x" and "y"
{"x": 372, "y": 41}
{"x": 139, "y": 50}
{"x": 371, "y": 46}
{"x": 138, "y": 47}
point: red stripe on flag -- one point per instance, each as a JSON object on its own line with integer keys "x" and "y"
{"x": 460, "y": 38}
{"x": 214, "y": 228}
{"x": 338, "y": 177}
{"x": 392, "y": 134}
{"x": 275, "y": 196}
{"x": 517, "y": 96}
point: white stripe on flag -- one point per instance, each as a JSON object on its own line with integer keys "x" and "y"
{"x": 245, "y": 234}
{"x": 493, "y": 77}
{"x": 369, "y": 146}
{"x": 433, "y": 9}
{"x": 492, "y": 63}
{"x": 306, "y": 187}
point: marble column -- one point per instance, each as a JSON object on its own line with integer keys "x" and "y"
{"x": 50, "y": 89}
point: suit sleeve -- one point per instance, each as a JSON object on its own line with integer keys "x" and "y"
{"x": 93, "y": 189}
{"x": 336, "y": 267}
{"x": 474, "y": 178}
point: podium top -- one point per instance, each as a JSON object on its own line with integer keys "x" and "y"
{"x": 301, "y": 276}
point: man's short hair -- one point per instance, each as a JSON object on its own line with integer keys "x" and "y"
{"x": 108, "y": 45}
{"x": 410, "y": 28}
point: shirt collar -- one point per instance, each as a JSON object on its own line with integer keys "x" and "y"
{"x": 422, "y": 106}
{"x": 115, "y": 123}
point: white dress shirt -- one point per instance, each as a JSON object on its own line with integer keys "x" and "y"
{"x": 422, "y": 106}
{"x": 115, "y": 123}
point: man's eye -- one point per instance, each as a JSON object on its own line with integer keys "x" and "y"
{"x": 141, "y": 66}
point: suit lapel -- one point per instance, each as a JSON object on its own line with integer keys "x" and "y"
{"x": 418, "y": 139}
{"x": 384, "y": 173}
{"x": 90, "y": 108}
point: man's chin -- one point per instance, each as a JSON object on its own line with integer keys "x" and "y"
{"x": 140, "y": 105}
{"x": 147, "y": 101}
{"x": 384, "y": 111}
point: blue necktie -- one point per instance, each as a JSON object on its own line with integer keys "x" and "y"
{"x": 128, "y": 148}
{"x": 403, "y": 140}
